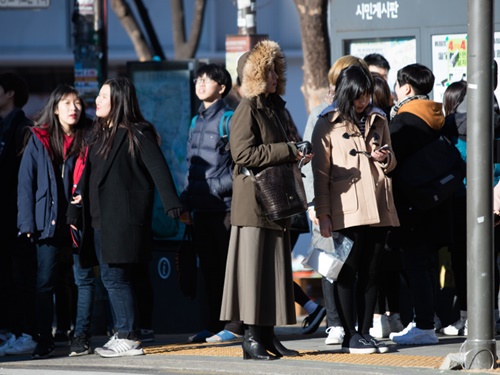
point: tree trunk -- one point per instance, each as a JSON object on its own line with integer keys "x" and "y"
{"x": 316, "y": 50}
{"x": 186, "y": 49}
{"x": 127, "y": 19}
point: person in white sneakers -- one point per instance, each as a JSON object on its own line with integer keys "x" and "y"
{"x": 416, "y": 122}
{"x": 334, "y": 329}
{"x": 124, "y": 165}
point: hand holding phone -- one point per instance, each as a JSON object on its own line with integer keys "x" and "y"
{"x": 384, "y": 147}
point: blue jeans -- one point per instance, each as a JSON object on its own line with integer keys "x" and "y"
{"x": 47, "y": 259}
{"x": 84, "y": 280}
{"x": 117, "y": 281}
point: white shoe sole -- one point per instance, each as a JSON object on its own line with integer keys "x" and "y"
{"x": 417, "y": 341}
{"x": 329, "y": 341}
{"x": 128, "y": 353}
{"x": 359, "y": 351}
{"x": 75, "y": 354}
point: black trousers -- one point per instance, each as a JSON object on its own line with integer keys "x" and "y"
{"x": 211, "y": 238}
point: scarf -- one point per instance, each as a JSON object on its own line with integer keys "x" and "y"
{"x": 395, "y": 108}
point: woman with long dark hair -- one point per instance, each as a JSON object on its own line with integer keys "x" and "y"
{"x": 117, "y": 187}
{"x": 353, "y": 196}
{"x": 44, "y": 191}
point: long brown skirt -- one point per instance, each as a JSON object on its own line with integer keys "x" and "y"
{"x": 258, "y": 287}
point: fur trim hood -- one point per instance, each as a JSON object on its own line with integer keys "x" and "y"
{"x": 257, "y": 64}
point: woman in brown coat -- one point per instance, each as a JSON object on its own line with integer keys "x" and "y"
{"x": 258, "y": 284}
{"x": 353, "y": 196}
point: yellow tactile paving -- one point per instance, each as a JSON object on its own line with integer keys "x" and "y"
{"x": 230, "y": 350}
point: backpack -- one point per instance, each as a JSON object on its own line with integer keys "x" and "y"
{"x": 432, "y": 174}
{"x": 223, "y": 127}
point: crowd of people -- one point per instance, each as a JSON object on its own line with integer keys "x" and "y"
{"x": 78, "y": 195}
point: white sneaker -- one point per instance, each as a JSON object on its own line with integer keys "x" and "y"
{"x": 395, "y": 322}
{"x": 24, "y": 344}
{"x": 403, "y": 332}
{"x": 122, "y": 348}
{"x": 7, "y": 344}
{"x": 380, "y": 327}
{"x": 417, "y": 336}
{"x": 335, "y": 335}
{"x": 108, "y": 344}
{"x": 458, "y": 328}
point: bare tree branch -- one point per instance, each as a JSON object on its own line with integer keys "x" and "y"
{"x": 127, "y": 19}
{"x": 186, "y": 49}
{"x": 315, "y": 48}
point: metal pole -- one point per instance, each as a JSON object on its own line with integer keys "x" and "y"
{"x": 480, "y": 346}
{"x": 91, "y": 51}
{"x": 101, "y": 33}
{"x": 246, "y": 17}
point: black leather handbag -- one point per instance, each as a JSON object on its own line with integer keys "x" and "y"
{"x": 280, "y": 191}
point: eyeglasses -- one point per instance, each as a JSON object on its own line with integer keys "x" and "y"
{"x": 204, "y": 81}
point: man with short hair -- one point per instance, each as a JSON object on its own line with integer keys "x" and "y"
{"x": 417, "y": 122}
{"x": 378, "y": 64}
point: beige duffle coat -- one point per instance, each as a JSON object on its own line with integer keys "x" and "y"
{"x": 351, "y": 187}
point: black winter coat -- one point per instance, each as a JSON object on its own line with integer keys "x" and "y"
{"x": 11, "y": 145}
{"x": 126, "y": 194}
{"x": 418, "y": 123}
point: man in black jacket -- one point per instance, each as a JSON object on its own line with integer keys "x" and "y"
{"x": 16, "y": 254}
{"x": 417, "y": 122}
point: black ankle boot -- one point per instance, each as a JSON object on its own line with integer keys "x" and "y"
{"x": 252, "y": 345}
{"x": 274, "y": 346}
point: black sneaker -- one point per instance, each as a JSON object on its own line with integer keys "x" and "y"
{"x": 380, "y": 346}
{"x": 312, "y": 322}
{"x": 79, "y": 346}
{"x": 357, "y": 344}
{"x": 43, "y": 349}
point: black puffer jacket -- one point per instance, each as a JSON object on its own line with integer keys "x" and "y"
{"x": 209, "y": 184}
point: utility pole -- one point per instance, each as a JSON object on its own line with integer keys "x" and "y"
{"x": 91, "y": 47}
{"x": 480, "y": 346}
{"x": 247, "y": 24}
{"x": 247, "y": 36}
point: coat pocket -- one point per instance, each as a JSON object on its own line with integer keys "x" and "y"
{"x": 344, "y": 196}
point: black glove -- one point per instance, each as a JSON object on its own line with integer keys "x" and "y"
{"x": 175, "y": 213}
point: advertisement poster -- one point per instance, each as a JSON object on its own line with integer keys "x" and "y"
{"x": 449, "y": 60}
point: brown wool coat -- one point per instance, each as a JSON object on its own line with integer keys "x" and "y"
{"x": 258, "y": 284}
{"x": 257, "y": 134}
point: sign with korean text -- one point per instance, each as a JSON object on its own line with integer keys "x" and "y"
{"x": 24, "y": 4}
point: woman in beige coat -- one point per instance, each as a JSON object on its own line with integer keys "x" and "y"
{"x": 353, "y": 196}
{"x": 258, "y": 283}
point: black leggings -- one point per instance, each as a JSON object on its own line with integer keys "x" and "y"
{"x": 361, "y": 265}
